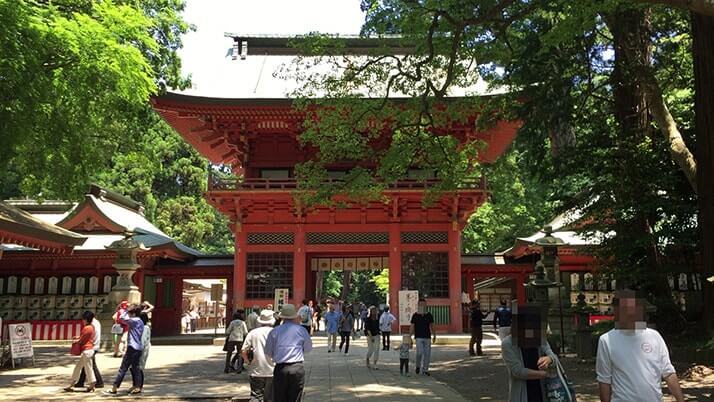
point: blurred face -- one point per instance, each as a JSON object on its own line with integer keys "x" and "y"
{"x": 421, "y": 307}
{"x": 629, "y": 311}
{"x": 528, "y": 327}
{"x": 309, "y": 303}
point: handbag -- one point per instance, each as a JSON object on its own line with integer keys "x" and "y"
{"x": 226, "y": 343}
{"x": 75, "y": 349}
{"x": 117, "y": 329}
{"x": 557, "y": 386}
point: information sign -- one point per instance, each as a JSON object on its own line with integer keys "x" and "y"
{"x": 408, "y": 302}
{"x": 281, "y": 297}
{"x": 20, "y": 340}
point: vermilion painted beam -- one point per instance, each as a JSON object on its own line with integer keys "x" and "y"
{"x": 455, "y": 322}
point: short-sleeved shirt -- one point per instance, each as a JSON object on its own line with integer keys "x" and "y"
{"x": 288, "y": 343}
{"x": 503, "y": 316}
{"x": 236, "y": 331}
{"x": 136, "y": 328}
{"x": 385, "y": 321}
{"x": 404, "y": 351}
{"x": 347, "y": 321}
{"x": 633, "y": 362}
{"x": 422, "y": 324}
{"x": 262, "y": 365}
{"x": 332, "y": 320}
{"x": 305, "y": 313}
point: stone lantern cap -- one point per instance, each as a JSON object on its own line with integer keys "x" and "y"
{"x": 127, "y": 248}
{"x": 549, "y": 239}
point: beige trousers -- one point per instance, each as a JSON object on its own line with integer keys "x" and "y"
{"x": 85, "y": 362}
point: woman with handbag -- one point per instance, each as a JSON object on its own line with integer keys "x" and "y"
{"x": 346, "y": 327}
{"x": 84, "y": 347}
{"x": 527, "y": 355}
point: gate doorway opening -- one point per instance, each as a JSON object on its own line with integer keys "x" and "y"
{"x": 350, "y": 278}
{"x": 203, "y": 306}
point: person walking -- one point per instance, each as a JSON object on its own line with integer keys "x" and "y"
{"x": 371, "y": 331}
{"x": 385, "y": 327}
{"x": 99, "y": 382}
{"x": 236, "y": 331}
{"x": 527, "y": 355}
{"x": 305, "y": 314}
{"x": 86, "y": 346}
{"x": 422, "y": 328}
{"x": 502, "y": 320}
{"x": 251, "y": 322}
{"x": 404, "y": 349}
{"x": 632, "y": 360}
{"x": 332, "y": 324}
{"x": 131, "y": 358}
{"x": 476, "y": 328}
{"x": 346, "y": 327}
{"x": 259, "y": 365}
{"x": 146, "y": 346}
{"x": 194, "y": 319}
{"x": 286, "y": 345}
{"x": 316, "y": 317}
{"x": 363, "y": 313}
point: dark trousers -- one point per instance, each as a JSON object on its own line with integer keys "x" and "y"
{"x": 261, "y": 389}
{"x": 385, "y": 340}
{"x": 97, "y": 375}
{"x": 288, "y": 382}
{"x": 194, "y": 324}
{"x": 476, "y": 338}
{"x": 345, "y": 340}
{"x": 237, "y": 358}
{"x": 403, "y": 366}
{"x": 130, "y": 361}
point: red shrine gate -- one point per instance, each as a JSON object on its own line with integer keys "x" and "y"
{"x": 279, "y": 242}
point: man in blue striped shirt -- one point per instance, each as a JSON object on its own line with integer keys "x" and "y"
{"x": 287, "y": 345}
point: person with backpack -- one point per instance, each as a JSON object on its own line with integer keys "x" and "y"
{"x": 305, "y": 315}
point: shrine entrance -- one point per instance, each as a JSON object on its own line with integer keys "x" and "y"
{"x": 348, "y": 278}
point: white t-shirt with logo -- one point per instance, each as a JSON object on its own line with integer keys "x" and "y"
{"x": 261, "y": 366}
{"x": 633, "y": 362}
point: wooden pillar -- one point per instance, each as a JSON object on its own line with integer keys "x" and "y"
{"x": 455, "y": 319}
{"x": 239, "y": 268}
{"x": 521, "y": 288}
{"x": 395, "y": 268}
{"x": 299, "y": 266}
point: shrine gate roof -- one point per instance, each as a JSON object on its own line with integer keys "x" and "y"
{"x": 20, "y": 227}
{"x": 99, "y": 220}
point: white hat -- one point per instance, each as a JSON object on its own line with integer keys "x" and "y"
{"x": 267, "y": 317}
{"x": 288, "y": 312}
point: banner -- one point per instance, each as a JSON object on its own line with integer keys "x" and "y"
{"x": 281, "y": 297}
{"x": 20, "y": 340}
{"x": 408, "y": 301}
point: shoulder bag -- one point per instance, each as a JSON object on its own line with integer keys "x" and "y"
{"x": 557, "y": 386}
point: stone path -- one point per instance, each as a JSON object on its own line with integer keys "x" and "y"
{"x": 196, "y": 373}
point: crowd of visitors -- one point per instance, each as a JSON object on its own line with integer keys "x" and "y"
{"x": 632, "y": 359}
{"x": 132, "y": 342}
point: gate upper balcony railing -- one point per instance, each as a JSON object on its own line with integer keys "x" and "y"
{"x": 216, "y": 183}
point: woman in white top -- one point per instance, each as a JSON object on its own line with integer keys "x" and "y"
{"x": 146, "y": 344}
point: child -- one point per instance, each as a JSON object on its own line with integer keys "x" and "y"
{"x": 404, "y": 355}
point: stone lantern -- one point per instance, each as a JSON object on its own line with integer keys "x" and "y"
{"x": 126, "y": 265}
{"x": 545, "y": 275}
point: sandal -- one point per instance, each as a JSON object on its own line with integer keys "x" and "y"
{"x": 68, "y": 389}
{"x": 134, "y": 391}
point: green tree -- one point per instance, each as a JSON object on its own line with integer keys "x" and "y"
{"x": 77, "y": 77}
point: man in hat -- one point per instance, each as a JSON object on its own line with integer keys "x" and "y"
{"x": 260, "y": 366}
{"x": 286, "y": 345}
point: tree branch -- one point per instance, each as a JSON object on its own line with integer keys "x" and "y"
{"x": 705, "y": 7}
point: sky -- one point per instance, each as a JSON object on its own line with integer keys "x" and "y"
{"x": 204, "y": 52}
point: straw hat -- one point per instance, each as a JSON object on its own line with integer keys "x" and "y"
{"x": 267, "y": 317}
{"x": 288, "y": 312}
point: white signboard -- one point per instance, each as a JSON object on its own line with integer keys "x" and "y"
{"x": 281, "y": 297}
{"x": 20, "y": 340}
{"x": 408, "y": 301}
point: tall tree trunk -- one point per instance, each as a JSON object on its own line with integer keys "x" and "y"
{"x": 703, "y": 49}
{"x": 631, "y": 29}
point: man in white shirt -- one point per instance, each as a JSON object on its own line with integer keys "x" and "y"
{"x": 97, "y": 375}
{"x": 632, "y": 360}
{"x": 385, "y": 327}
{"x": 261, "y": 367}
